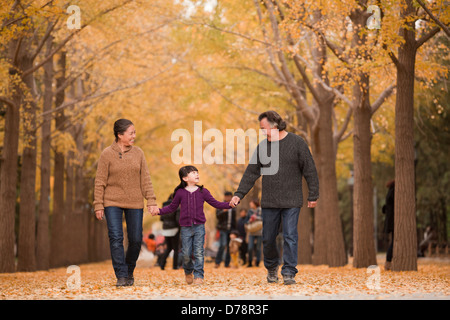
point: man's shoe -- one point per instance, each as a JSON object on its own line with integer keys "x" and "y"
{"x": 272, "y": 275}
{"x": 289, "y": 279}
{"x": 121, "y": 282}
{"x": 130, "y": 280}
{"x": 198, "y": 281}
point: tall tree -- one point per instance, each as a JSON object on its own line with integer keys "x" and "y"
{"x": 405, "y": 233}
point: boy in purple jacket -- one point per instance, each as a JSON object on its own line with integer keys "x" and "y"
{"x": 192, "y": 220}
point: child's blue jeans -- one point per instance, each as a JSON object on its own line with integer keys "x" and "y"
{"x": 192, "y": 243}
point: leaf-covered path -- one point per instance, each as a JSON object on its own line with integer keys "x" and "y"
{"x": 432, "y": 281}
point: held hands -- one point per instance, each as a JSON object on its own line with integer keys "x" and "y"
{"x": 153, "y": 210}
{"x": 235, "y": 201}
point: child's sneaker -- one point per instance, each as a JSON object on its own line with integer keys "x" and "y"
{"x": 198, "y": 281}
{"x": 189, "y": 278}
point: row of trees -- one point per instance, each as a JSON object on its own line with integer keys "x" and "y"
{"x": 334, "y": 71}
{"x": 51, "y": 84}
{"x": 164, "y": 64}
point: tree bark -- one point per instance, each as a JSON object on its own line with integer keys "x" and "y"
{"x": 329, "y": 245}
{"x": 58, "y": 247}
{"x": 405, "y": 233}
{"x": 364, "y": 253}
{"x": 42, "y": 237}
{"x": 8, "y": 183}
{"x": 304, "y": 230}
{"x": 27, "y": 213}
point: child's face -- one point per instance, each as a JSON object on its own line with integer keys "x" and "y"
{"x": 192, "y": 177}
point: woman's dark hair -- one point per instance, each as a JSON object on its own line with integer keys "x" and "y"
{"x": 182, "y": 173}
{"x": 273, "y": 118}
{"x": 120, "y": 126}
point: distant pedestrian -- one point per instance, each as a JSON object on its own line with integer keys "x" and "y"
{"x": 150, "y": 243}
{"x": 226, "y": 221}
{"x": 254, "y": 215}
{"x": 242, "y": 234}
{"x": 235, "y": 243}
{"x": 171, "y": 232}
{"x": 388, "y": 210}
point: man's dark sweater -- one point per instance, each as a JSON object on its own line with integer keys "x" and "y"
{"x": 284, "y": 188}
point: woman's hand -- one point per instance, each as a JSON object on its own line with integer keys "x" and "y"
{"x": 100, "y": 214}
{"x": 153, "y": 210}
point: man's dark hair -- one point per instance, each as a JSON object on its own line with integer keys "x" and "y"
{"x": 274, "y": 119}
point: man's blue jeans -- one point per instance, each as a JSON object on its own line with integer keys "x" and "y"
{"x": 271, "y": 222}
{"x": 192, "y": 243}
{"x": 124, "y": 264}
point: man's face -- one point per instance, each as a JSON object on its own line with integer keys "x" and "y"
{"x": 267, "y": 129}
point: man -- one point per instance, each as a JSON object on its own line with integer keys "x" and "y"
{"x": 226, "y": 221}
{"x": 282, "y": 195}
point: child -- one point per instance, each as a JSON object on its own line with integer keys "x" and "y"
{"x": 192, "y": 220}
{"x": 235, "y": 243}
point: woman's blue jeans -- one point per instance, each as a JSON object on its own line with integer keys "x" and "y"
{"x": 272, "y": 217}
{"x": 124, "y": 264}
{"x": 192, "y": 243}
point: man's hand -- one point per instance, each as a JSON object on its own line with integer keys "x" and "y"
{"x": 235, "y": 201}
{"x": 312, "y": 204}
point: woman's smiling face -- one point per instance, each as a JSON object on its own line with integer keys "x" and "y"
{"x": 127, "y": 138}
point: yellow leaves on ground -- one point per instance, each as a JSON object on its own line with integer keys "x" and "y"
{"x": 313, "y": 282}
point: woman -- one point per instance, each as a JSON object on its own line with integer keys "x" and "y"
{"x": 121, "y": 184}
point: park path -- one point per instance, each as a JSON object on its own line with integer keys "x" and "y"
{"x": 431, "y": 281}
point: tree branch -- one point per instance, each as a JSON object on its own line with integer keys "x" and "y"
{"x": 382, "y": 98}
{"x": 432, "y": 16}
{"x": 57, "y": 49}
{"x": 427, "y": 37}
{"x": 50, "y": 28}
{"x": 7, "y": 101}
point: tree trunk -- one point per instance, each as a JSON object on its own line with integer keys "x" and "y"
{"x": 27, "y": 215}
{"x": 405, "y": 234}
{"x": 8, "y": 183}
{"x": 329, "y": 245}
{"x": 42, "y": 237}
{"x": 363, "y": 228}
{"x": 58, "y": 247}
{"x": 304, "y": 230}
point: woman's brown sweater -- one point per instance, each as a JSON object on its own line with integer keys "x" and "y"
{"x": 122, "y": 179}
